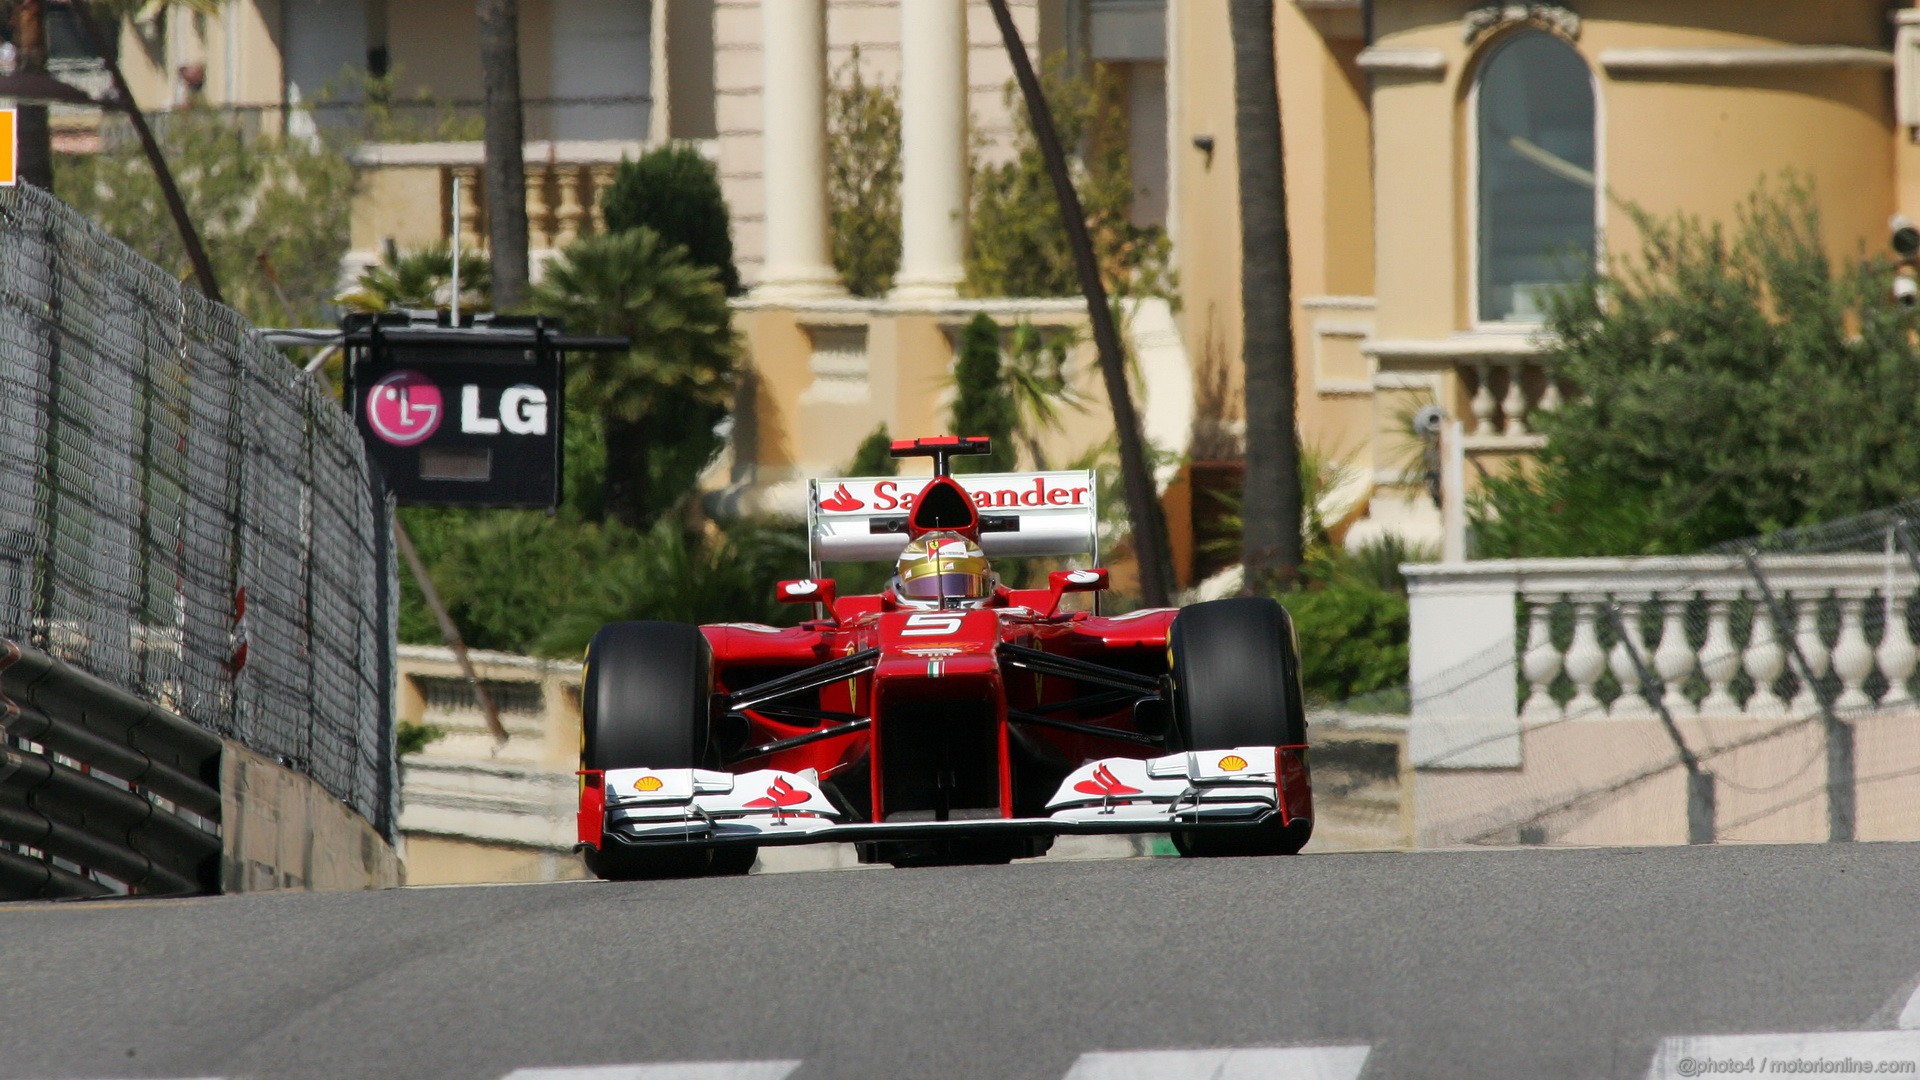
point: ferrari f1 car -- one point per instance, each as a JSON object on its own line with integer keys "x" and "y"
{"x": 948, "y": 718}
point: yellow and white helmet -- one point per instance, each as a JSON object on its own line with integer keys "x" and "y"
{"x": 939, "y": 566}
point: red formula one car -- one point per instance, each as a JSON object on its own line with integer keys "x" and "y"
{"x": 949, "y": 718}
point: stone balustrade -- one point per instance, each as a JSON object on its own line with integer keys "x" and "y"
{"x": 406, "y": 195}
{"x": 1504, "y": 393}
{"x": 563, "y": 202}
{"x": 1710, "y": 641}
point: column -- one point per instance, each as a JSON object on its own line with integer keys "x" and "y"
{"x": 793, "y": 95}
{"x": 933, "y": 158}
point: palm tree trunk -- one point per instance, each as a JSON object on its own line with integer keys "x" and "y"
{"x": 506, "y": 171}
{"x": 169, "y": 190}
{"x": 1143, "y": 501}
{"x": 1270, "y": 503}
{"x": 624, "y": 489}
{"x": 36, "y": 138}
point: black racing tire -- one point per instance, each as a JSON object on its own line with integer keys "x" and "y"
{"x": 644, "y": 703}
{"x": 1235, "y": 665}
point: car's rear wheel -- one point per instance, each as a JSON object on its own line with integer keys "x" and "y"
{"x": 1236, "y": 682}
{"x": 644, "y": 704}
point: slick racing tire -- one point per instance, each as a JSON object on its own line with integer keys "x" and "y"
{"x": 1236, "y": 682}
{"x": 644, "y": 703}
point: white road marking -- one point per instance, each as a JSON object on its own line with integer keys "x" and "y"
{"x": 1682, "y": 1056}
{"x": 1249, "y": 1063}
{"x": 1910, "y": 1016}
{"x": 664, "y": 1070}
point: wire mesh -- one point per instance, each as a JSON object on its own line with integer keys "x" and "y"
{"x": 183, "y": 513}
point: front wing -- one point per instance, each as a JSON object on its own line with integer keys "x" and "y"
{"x": 1197, "y": 790}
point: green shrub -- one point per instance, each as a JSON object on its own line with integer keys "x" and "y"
{"x": 676, "y": 193}
{"x": 981, "y": 404}
{"x": 1016, "y": 244}
{"x": 1731, "y": 381}
{"x": 529, "y": 582}
{"x": 863, "y": 180}
{"x": 1353, "y": 638}
{"x": 874, "y": 456}
{"x": 270, "y": 210}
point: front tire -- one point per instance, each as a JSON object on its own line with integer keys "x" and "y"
{"x": 1236, "y": 682}
{"x": 644, "y": 704}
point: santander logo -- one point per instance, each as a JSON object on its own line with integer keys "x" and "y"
{"x": 1023, "y": 493}
{"x": 780, "y": 796}
{"x": 405, "y": 408}
{"x": 842, "y": 501}
{"x": 1105, "y": 783}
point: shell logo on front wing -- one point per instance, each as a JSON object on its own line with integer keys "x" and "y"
{"x": 648, "y": 783}
{"x": 1233, "y": 763}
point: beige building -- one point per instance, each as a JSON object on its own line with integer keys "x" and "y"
{"x": 1447, "y": 161}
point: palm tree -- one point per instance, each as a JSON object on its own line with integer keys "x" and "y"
{"x": 1143, "y": 501}
{"x": 1037, "y": 379}
{"x": 1271, "y": 499}
{"x": 658, "y": 401}
{"x": 506, "y": 168}
{"x": 414, "y": 279}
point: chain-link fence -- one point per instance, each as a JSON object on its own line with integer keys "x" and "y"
{"x": 1764, "y": 690}
{"x": 186, "y": 514}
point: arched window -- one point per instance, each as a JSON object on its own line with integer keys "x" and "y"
{"x": 1533, "y": 116}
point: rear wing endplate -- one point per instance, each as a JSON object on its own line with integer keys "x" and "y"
{"x": 864, "y": 519}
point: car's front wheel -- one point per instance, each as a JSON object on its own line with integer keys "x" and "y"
{"x": 1236, "y": 682}
{"x": 644, "y": 704}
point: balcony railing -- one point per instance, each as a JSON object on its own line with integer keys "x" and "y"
{"x": 407, "y": 193}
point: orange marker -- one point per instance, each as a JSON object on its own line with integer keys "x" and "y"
{"x": 9, "y": 148}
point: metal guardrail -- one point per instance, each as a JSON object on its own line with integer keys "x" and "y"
{"x": 101, "y": 793}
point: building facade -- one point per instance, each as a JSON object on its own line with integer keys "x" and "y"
{"x": 1448, "y": 161}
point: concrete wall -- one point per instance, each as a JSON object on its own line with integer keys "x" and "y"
{"x": 281, "y": 831}
{"x": 474, "y": 811}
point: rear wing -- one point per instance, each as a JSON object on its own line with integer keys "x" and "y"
{"x": 864, "y": 519}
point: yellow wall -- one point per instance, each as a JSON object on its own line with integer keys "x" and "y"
{"x": 1329, "y": 201}
{"x": 1694, "y": 141}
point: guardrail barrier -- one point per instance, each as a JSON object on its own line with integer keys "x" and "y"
{"x": 194, "y": 559}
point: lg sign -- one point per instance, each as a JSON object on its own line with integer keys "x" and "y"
{"x": 462, "y": 416}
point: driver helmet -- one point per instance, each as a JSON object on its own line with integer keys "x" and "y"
{"x": 939, "y": 566}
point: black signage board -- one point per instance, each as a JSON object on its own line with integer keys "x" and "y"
{"x": 472, "y": 415}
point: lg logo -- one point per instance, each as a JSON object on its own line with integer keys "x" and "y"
{"x": 406, "y": 408}
{"x": 523, "y": 411}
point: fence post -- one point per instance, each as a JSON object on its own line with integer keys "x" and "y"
{"x": 1839, "y": 736}
{"x": 1701, "y": 807}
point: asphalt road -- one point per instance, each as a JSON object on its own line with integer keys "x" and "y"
{"x": 1526, "y": 964}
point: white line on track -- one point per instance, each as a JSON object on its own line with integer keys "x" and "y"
{"x": 1251, "y": 1063}
{"x": 665, "y": 1070}
{"x": 1910, "y": 1016}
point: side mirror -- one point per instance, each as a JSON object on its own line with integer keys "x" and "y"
{"x": 1062, "y": 582}
{"x": 808, "y": 591}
